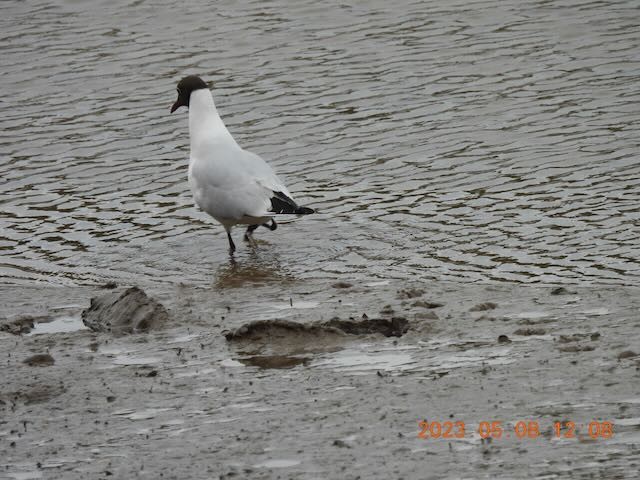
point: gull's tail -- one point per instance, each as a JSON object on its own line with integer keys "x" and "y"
{"x": 281, "y": 203}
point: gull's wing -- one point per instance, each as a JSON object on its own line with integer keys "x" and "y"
{"x": 263, "y": 173}
{"x": 233, "y": 183}
{"x": 279, "y": 196}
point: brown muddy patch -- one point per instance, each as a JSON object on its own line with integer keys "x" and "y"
{"x": 627, "y": 354}
{"x": 395, "y": 327}
{"x": 528, "y": 332}
{"x": 283, "y": 343}
{"x": 575, "y": 348}
{"x": 279, "y": 337}
{"x": 18, "y": 326}
{"x": 31, "y": 393}
{"x": 39, "y": 360}
{"x": 274, "y": 361}
{"x": 254, "y": 272}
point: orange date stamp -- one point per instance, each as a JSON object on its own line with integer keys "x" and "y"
{"x": 522, "y": 429}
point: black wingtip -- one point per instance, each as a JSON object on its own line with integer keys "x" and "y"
{"x": 281, "y": 203}
{"x": 304, "y": 211}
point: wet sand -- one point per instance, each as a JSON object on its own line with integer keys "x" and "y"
{"x": 184, "y": 402}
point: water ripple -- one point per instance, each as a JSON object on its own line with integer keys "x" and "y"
{"x": 473, "y": 141}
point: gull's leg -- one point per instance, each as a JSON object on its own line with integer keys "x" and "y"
{"x": 271, "y": 227}
{"x": 250, "y": 229}
{"x": 232, "y": 246}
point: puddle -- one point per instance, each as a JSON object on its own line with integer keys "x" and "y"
{"x": 228, "y": 362}
{"x": 297, "y": 304}
{"x": 277, "y": 463}
{"x": 184, "y": 338}
{"x": 134, "y": 360}
{"x": 111, "y": 349}
{"x": 472, "y": 358}
{"x": 627, "y": 422}
{"x": 357, "y": 361}
{"x": 124, "y": 356}
{"x": 24, "y": 475}
{"x": 535, "y": 315}
{"x": 403, "y": 358}
{"x": 62, "y": 324}
{"x": 378, "y": 284}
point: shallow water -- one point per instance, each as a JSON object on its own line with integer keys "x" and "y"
{"x": 58, "y": 325}
{"x": 469, "y": 141}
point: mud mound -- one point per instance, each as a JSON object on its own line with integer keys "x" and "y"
{"x": 276, "y": 338}
{"x": 396, "y": 327}
{"x": 123, "y": 312}
{"x": 285, "y": 337}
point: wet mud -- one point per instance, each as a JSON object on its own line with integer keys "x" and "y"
{"x": 317, "y": 379}
{"x": 282, "y": 343}
{"x": 475, "y": 170}
{"x": 18, "y": 326}
{"x": 284, "y": 336}
{"x": 394, "y": 327}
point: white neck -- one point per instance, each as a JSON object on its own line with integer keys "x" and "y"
{"x": 205, "y": 125}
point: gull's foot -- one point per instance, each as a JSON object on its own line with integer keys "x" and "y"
{"x": 271, "y": 226}
{"x": 248, "y": 235}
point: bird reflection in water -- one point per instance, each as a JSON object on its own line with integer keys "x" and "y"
{"x": 254, "y": 270}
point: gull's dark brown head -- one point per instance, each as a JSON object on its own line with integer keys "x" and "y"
{"x": 185, "y": 87}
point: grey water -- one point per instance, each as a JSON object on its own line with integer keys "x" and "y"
{"x": 465, "y": 140}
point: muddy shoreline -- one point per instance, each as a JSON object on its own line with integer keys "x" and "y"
{"x": 185, "y": 402}
{"x": 474, "y": 258}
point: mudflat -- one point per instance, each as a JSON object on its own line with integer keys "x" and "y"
{"x": 472, "y": 270}
{"x": 206, "y": 397}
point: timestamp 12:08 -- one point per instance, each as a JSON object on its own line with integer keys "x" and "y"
{"x": 521, "y": 429}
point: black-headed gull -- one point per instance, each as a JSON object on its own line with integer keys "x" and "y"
{"x": 232, "y": 185}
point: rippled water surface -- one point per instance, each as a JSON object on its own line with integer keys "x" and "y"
{"x": 475, "y": 140}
